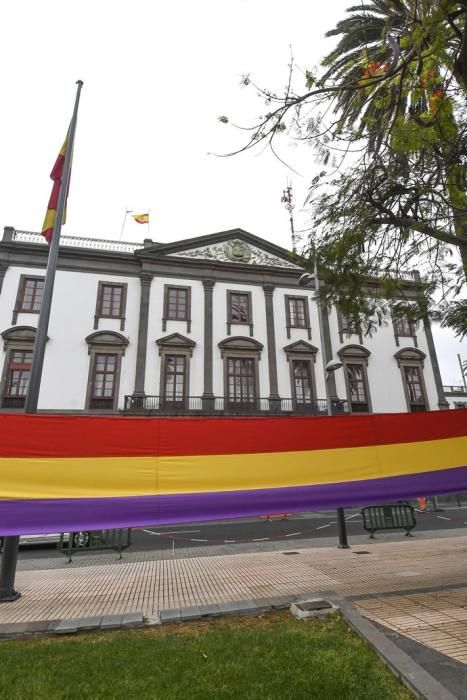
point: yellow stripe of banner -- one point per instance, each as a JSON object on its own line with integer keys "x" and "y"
{"x": 136, "y": 476}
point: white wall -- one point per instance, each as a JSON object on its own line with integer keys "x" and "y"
{"x": 66, "y": 363}
{"x": 66, "y": 366}
{"x": 219, "y": 306}
{"x": 384, "y": 375}
{"x": 155, "y": 332}
{"x": 296, "y": 334}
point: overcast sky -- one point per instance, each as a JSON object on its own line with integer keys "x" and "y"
{"x": 156, "y": 77}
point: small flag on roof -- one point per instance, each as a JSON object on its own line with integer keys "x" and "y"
{"x": 141, "y": 218}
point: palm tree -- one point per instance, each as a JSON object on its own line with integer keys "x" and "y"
{"x": 397, "y": 67}
{"x": 396, "y": 58}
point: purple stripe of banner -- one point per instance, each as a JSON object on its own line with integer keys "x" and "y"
{"x": 64, "y": 515}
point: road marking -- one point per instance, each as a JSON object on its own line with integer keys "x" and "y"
{"x": 321, "y": 527}
{"x": 229, "y": 541}
{"x": 194, "y": 540}
{"x": 441, "y": 517}
{"x": 292, "y": 534}
{"x": 260, "y": 539}
{"x": 170, "y": 532}
{"x": 352, "y": 516}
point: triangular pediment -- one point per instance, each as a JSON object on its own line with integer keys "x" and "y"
{"x": 175, "y": 340}
{"x": 236, "y": 246}
{"x": 302, "y": 347}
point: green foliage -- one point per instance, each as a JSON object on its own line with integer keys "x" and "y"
{"x": 396, "y": 85}
{"x": 309, "y": 79}
{"x": 453, "y": 316}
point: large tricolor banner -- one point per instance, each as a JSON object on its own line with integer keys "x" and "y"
{"x": 66, "y": 473}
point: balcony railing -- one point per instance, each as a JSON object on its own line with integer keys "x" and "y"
{"x": 104, "y": 404}
{"x": 220, "y": 405}
{"x": 456, "y": 389}
{"x": 13, "y": 401}
{"x": 79, "y": 242}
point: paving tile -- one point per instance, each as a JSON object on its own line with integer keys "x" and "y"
{"x": 428, "y": 605}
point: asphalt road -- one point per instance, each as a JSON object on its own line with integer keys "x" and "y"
{"x": 296, "y": 526}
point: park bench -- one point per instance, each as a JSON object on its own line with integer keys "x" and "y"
{"x": 393, "y": 516}
{"x": 117, "y": 539}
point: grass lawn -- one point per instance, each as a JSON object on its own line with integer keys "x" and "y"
{"x": 275, "y": 656}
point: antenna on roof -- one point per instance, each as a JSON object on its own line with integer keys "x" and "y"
{"x": 287, "y": 200}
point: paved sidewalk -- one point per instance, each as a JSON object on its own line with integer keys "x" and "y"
{"x": 417, "y": 586}
{"x": 181, "y": 551}
{"x": 437, "y": 619}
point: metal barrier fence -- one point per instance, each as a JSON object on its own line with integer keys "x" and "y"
{"x": 393, "y": 516}
{"x": 86, "y": 541}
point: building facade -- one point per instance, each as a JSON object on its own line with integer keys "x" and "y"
{"x": 456, "y": 395}
{"x": 216, "y": 324}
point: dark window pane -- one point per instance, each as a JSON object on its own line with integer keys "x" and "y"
{"x": 349, "y": 325}
{"x": 239, "y": 308}
{"x": 104, "y": 376}
{"x": 111, "y": 300}
{"x": 177, "y": 303}
{"x": 241, "y": 380}
{"x": 357, "y": 387}
{"x": 174, "y": 378}
{"x": 413, "y": 380}
{"x": 403, "y": 327}
{"x": 302, "y": 380}
{"x": 19, "y": 366}
{"x": 297, "y": 312}
{"x": 31, "y": 296}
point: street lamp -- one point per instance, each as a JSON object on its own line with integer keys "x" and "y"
{"x": 330, "y": 366}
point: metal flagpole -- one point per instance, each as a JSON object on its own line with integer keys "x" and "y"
{"x": 10, "y": 550}
{"x": 44, "y": 316}
{"x": 127, "y": 211}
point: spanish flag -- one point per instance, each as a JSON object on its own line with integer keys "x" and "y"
{"x": 141, "y": 218}
{"x": 56, "y": 176}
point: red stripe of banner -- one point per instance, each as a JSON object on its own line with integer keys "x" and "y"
{"x": 86, "y": 436}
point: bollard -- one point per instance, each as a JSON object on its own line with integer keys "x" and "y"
{"x": 8, "y": 570}
{"x": 343, "y": 544}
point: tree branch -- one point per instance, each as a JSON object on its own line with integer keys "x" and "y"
{"x": 419, "y": 226}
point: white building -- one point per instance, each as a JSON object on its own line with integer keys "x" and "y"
{"x": 213, "y": 324}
